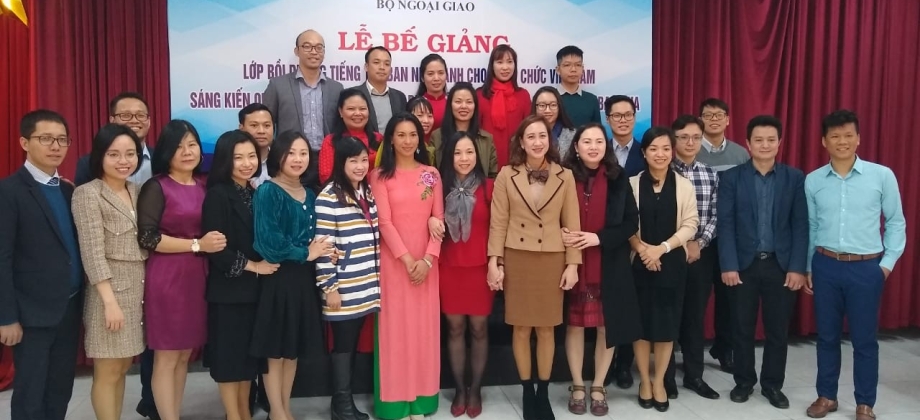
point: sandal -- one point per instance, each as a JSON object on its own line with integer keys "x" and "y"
{"x": 577, "y": 406}
{"x": 599, "y": 407}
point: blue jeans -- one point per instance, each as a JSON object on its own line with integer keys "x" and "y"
{"x": 854, "y": 290}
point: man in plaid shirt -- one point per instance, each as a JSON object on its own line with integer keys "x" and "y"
{"x": 689, "y": 132}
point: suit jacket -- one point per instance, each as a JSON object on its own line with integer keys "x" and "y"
{"x": 107, "y": 230}
{"x": 737, "y": 224}
{"x": 688, "y": 218}
{"x": 34, "y": 263}
{"x": 224, "y": 211}
{"x": 635, "y": 162}
{"x": 397, "y": 104}
{"x": 520, "y": 222}
{"x": 282, "y": 97}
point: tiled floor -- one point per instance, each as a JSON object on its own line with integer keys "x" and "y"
{"x": 898, "y": 399}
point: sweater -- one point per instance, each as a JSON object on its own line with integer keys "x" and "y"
{"x": 64, "y": 221}
{"x": 581, "y": 108}
{"x": 724, "y": 158}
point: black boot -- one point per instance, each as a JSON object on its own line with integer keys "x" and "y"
{"x": 341, "y": 387}
{"x": 544, "y": 408}
{"x": 358, "y": 414}
{"x": 529, "y": 401}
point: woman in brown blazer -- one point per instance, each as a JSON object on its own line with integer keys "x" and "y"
{"x": 104, "y": 212}
{"x": 667, "y": 220}
{"x": 533, "y": 200}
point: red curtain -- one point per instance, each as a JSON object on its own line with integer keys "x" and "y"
{"x": 17, "y": 83}
{"x": 800, "y": 60}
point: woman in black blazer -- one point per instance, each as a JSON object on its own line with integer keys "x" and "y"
{"x": 233, "y": 284}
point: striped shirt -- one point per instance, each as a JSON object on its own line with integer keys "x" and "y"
{"x": 706, "y": 183}
{"x": 356, "y": 276}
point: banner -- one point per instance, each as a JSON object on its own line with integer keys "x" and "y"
{"x": 223, "y": 52}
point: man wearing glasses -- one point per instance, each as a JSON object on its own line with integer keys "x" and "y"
{"x": 621, "y": 115}
{"x": 41, "y": 275}
{"x": 721, "y": 154}
{"x": 305, "y": 100}
{"x": 580, "y": 105}
{"x": 128, "y": 109}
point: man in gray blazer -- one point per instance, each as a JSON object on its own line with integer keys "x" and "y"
{"x": 305, "y": 100}
{"x": 383, "y": 102}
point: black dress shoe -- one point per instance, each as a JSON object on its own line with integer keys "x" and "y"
{"x": 776, "y": 397}
{"x": 701, "y": 388}
{"x": 727, "y": 362}
{"x": 670, "y": 386}
{"x": 741, "y": 394}
{"x": 624, "y": 379}
{"x": 661, "y": 406}
{"x": 646, "y": 404}
{"x": 147, "y": 410}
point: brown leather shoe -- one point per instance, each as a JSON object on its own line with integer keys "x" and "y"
{"x": 821, "y": 407}
{"x": 864, "y": 412}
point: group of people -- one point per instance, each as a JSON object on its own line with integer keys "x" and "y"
{"x": 370, "y": 205}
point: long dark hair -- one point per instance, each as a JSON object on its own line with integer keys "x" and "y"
{"x": 222, "y": 161}
{"x": 446, "y": 163}
{"x": 517, "y": 155}
{"x": 421, "y": 71}
{"x": 339, "y": 129}
{"x": 449, "y": 123}
{"x": 168, "y": 143}
{"x": 278, "y": 154}
{"x": 579, "y": 170}
{"x": 499, "y": 52}
{"x": 346, "y": 148}
{"x": 103, "y": 141}
{"x": 562, "y": 118}
{"x": 387, "y": 165}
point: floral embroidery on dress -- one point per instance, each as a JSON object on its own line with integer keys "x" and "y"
{"x": 429, "y": 179}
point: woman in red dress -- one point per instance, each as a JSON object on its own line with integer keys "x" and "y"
{"x": 351, "y": 121}
{"x": 502, "y": 103}
{"x": 466, "y": 298}
{"x": 433, "y": 86}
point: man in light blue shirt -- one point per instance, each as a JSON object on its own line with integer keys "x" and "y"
{"x": 849, "y": 260}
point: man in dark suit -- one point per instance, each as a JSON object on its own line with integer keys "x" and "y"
{"x": 41, "y": 275}
{"x": 383, "y": 101}
{"x": 763, "y": 234}
{"x": 305, "y": 100}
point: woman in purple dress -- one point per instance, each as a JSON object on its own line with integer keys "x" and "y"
{"x": 169, "y": 221}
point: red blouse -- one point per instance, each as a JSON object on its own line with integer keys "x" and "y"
{"x": 327, "y": 153}
{"x": 502, "y": 138}
{"x": 473, "y": 252}
{"x": 438, "y": 106}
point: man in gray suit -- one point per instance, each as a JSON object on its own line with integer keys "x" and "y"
{"x": 305, "y": 100}
{"x": 383, "y": 102}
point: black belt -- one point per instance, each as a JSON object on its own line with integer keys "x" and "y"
{"x": 764, "y": 255}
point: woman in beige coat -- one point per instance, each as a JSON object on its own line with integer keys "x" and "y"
{"x": 104, "y": 214}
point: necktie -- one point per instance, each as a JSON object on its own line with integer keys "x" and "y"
{"x": 54, "y": 181}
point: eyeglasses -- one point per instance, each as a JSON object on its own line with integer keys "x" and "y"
{"x": 687, "y": 139}
{"x": 318, "y": 48}
{"x": 126, "y": 116}
{"x": 717, "y": 116}
{"x": 544, "y": 107}
{"x": 623, "y": 117}
{"x": 62, "y": 141}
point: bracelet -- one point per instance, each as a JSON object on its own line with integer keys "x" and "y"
{"x": 427, "y": 262}
{"x": 667, "y": 247}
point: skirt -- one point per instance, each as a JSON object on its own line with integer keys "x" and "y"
{"x": 287, "y": 324}
{"x": 99, "y": 342}
{"x": 465, "y": 291}
{"x": 661, "y": 297}
{"x": 533, "y": 297}
{"x": 230, "y": 327}
{"x": 584, "y": 304}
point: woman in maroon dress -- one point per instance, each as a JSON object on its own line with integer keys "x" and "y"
{"x": 465, "y": 292}
{"x": 169, "y": 221}
{"x": 593, "y": 166}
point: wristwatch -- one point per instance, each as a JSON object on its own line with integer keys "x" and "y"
{"x": 196, "y": 248}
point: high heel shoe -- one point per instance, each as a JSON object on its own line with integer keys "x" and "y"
{"x": 643, "y": 402}
{"x": 459, "y": 406}
{"x": 659, "y": 405}
{"x": 473, "y": 410}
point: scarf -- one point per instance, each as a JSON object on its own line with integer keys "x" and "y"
{"x": 502, "y": 103}
{"x": 458, "y": 207}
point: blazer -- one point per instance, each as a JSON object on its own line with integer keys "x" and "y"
{"x": 282, "y": 97}
{"x": 737, "y": 223}
{"x": 223, "y": 210}
{"x": 484, "y": 143}
{"x": 520, "y": 223}
{"x": 107, "y": 230}
{"x": 34, "y": 263}
{"x": 635, "y": 162}
{"x": 398, "y": 103}
{"x": 688, "y": 218}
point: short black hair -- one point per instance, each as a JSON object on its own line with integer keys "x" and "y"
{"x": 344, "y": 149}
{"x": 615, "y": 99}
{"x": 387, "y": 166}
{"x": 653, "y": 133}
{"x": 253, "y": 108}
{"x": 222, "y": 160}
{"x": 103, "y": 141}
{"x": 280, "y": 149}
{"x": 126, "y": 95}
{"x": 168, "y": 143}
{"x": 567, "y": 51}
{"x": 563, "y": 117}
{"x": 765, "y": 121}
{"x": 714, "y": 103}
{"x": 839, "y": 118}
{"x": 419, "y": 102}
{"x": 684, "y": 120}
{"x": 367, "y": 55}
{"x": 30, "y": 121}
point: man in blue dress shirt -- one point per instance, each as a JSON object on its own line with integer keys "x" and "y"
{"x": 849, "y": 260}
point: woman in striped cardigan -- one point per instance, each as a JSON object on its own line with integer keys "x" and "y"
{"x": 345, "y": 211}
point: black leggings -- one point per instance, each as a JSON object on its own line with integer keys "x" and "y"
{"x": 345, "y": 335}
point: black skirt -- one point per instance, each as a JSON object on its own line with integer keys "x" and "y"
{"x": 661, "y": 296}
{"x": 287, "y": 324}
{"x": 230, "y": 327}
